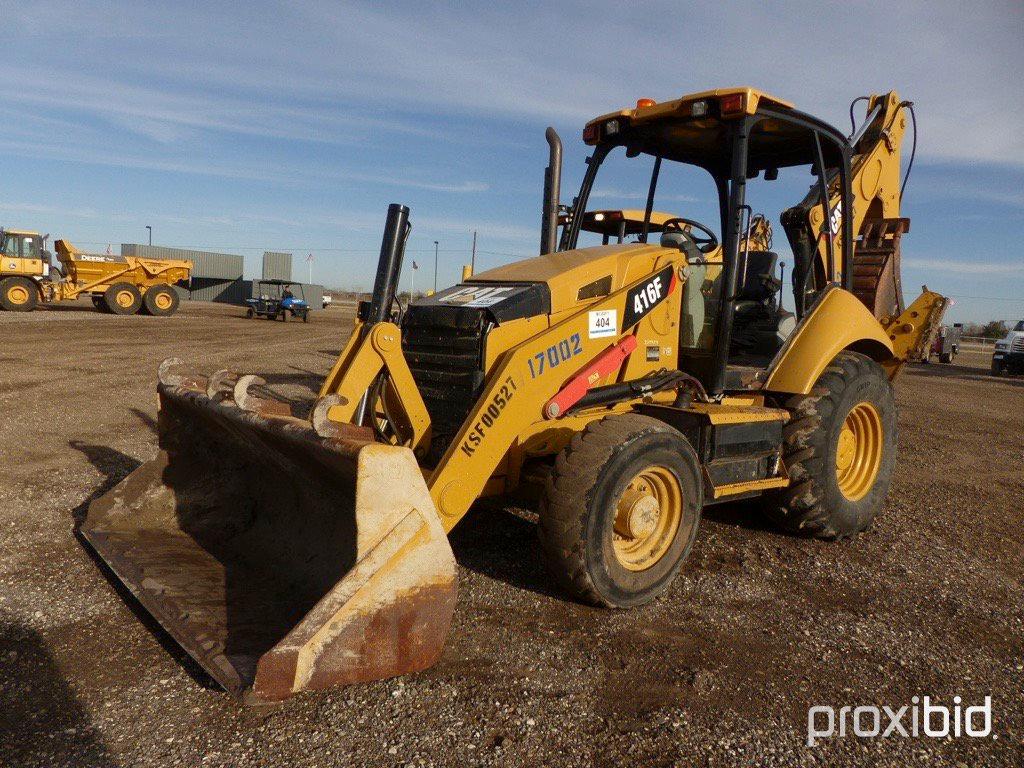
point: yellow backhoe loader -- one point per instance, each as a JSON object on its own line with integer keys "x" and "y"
{"x": 629, "y": 385}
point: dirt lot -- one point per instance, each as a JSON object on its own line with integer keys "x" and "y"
{"x": 721, "y": 671}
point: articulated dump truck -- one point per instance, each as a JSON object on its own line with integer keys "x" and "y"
{"x": 628, "y": 385}
{"x": 122, "y": 285}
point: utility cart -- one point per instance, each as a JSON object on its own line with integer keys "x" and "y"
{"x": 277, "y": 299}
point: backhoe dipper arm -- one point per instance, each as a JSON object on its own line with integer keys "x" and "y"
{"x": 875, "y": 194}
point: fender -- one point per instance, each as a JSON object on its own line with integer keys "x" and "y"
{"x": 839, "y": 321}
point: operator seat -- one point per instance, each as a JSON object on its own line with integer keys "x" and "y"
{"x": 760, "y": 325}
{"x": 757, "y": 283}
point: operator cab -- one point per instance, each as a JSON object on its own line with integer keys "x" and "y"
{"x": 743, "y": 145}
{"x": 23, "y": 252}
{"x": 19, "y": 244}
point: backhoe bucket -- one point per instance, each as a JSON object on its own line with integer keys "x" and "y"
{"x": 280, "y": 559}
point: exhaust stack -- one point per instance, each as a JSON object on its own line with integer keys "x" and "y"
{"x": 552, "y": 185}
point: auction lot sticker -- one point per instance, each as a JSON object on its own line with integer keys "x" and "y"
{"x": 602, "y": 323}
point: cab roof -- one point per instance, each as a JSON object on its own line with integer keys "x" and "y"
{"x": 10, "y": 231}
{"x": 696, "y": 128}
{"x": 648, "y": 109}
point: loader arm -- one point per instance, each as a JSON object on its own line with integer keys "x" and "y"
{"x": 364, "y": 358}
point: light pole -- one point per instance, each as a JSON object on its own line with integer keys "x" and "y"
{"x": 150, "y": 230}
{"x": 435, "y": 266}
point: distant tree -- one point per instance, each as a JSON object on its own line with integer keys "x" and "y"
{"x": 994, "y": 329}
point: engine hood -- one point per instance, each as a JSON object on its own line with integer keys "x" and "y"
{"x": 580, "y": 275}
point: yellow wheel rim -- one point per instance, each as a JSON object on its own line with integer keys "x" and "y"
{"x": 162, "y": 301}
{"x": 859, "y": 451}
{"x": 17, "y": 294}
{"x": 647, "y": 518}
{"x": 124, "y": 298}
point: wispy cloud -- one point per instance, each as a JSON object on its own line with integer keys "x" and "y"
{"x": 228, "y": 170}
{"x": 314, "y": 56}
{"x": 604, "y": 193}
{"x": 960, "y": 267}
{"x": 48, "y": 210}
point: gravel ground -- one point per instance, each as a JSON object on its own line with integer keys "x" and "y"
{"x": 721, "y": 671}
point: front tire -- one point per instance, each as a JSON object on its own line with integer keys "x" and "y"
{"x": 18, "y": 294}
{"x": 997, "y": 368}
{"x": 840, "y": 451}
{"x": 946, "y": 357}
{"x": 620, "y": 511}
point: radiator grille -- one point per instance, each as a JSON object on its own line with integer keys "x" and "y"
{"x": 444, "y": 350}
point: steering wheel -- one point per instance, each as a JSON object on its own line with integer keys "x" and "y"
{"x": 706, "y": 244}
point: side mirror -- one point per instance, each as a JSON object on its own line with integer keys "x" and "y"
{"x": 771, "y": 174}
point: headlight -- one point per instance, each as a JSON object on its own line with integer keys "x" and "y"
{"x": 1000, "y": 346}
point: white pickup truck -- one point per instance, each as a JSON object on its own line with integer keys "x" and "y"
{"x": 1008, "y": 356}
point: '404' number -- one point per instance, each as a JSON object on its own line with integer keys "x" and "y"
{"x": 555, "y": 355}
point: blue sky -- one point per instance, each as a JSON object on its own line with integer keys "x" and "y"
{"x": 251, "y": 126}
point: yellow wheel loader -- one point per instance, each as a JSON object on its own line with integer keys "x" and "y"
{"x": 122, "y": 285}
{"x": 628, "y": 385}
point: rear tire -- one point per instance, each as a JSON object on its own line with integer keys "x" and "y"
{"x": 840, "y": 449}
{"x": 123, "y": 299}
{"x": 160, "y": 301}
{"x": 627, "y": 472}
{"x": 100, "y": 304}
{"x": 250, "y": 313}
{"x": 18, "y": 294}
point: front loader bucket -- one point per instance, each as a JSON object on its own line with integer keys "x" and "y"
{"x": 281, "y": 560}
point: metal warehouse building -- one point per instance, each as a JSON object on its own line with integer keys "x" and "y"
{"x": 277, "y": 266}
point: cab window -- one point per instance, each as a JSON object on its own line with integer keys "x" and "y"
{"x": 21, "y": 246}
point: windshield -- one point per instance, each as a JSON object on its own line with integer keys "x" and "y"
{"x": 616, "y": 207}
{"x": 679, "y": 190}
{"x": 1019, "y": 326}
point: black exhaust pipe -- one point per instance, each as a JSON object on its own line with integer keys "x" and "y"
{"x": 385, "y": 284}
{"x": 552, "y": 184}
{"x": 389, "y": 266}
